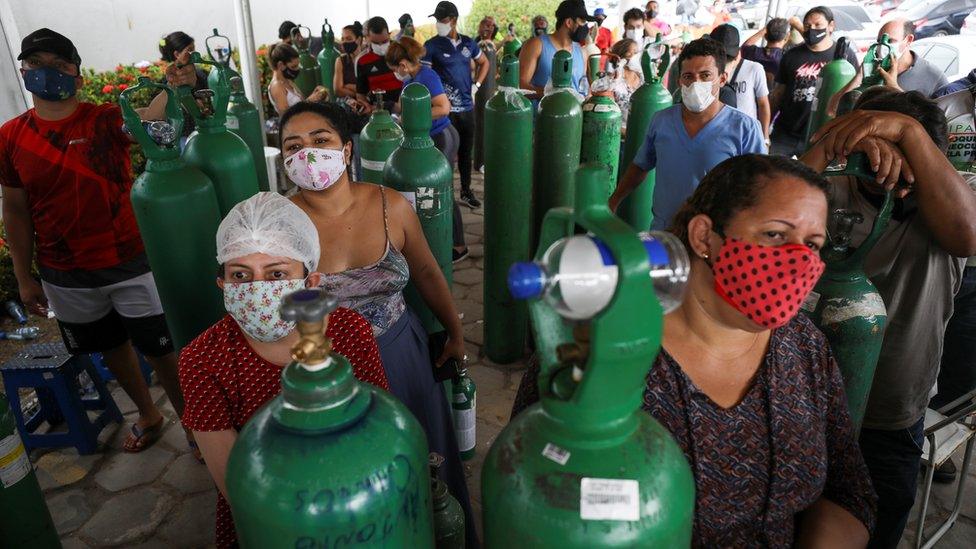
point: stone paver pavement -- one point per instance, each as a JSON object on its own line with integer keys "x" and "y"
{"x": 164, "y": 498}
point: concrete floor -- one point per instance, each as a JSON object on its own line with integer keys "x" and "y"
{"x": 163, "y": 498}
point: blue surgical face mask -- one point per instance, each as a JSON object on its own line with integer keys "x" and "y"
{"x": 50, "y": 84}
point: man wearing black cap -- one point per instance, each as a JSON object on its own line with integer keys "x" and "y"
{"x": 406, "y": 27}
{"x": 747, "y": 79}
{"x": 65, "y": 173}
{"x": 450, "y": 55}
{"x": 535, "y": 60}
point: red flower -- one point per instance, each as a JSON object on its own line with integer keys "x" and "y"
{"x": 122, "y": 87}
{"x": 107, "y": 88}
{"x": 262, "y": 52}
{"x": 119, "y": 68}
{"x": 144, "y": 70}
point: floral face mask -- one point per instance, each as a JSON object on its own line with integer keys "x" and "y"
{"x": 315, "y": 169}
{"x": 254, "y": 305}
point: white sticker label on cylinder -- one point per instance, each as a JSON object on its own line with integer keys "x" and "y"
{"x": 555, "y": 453}
{"x": 233, "y": 123}
{"x": 14, "y": 465}
{"x": 609, "y": 499}
{"x": 464, "y": 427}
{"x": 374, "y": 165}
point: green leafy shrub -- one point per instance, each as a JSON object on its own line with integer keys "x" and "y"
{"x": 519, "y": 12}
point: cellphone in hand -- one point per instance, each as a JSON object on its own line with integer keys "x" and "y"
{"x": 451, "y": 367}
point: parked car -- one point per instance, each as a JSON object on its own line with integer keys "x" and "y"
{"x": 969, "y": 25}
{"x": 955, "y": 55}
{"x": 851, "y": 20}
{"x": 936, "y": 17}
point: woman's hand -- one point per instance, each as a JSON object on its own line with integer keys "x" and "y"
{"x": 181, "y": 72}
{"x": 320, "y": 93}
{"x": 453, "y": 348}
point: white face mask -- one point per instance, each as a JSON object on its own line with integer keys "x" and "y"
{"x": 316, "y": 169}
{"x": 697, "y": 96}
{"x": 635, "y": 34}
{"x": 401, "y": 77}
{"x": 443, "y": 29}
{"x": 379, "y": 49}
{"x": 634, "y": 63}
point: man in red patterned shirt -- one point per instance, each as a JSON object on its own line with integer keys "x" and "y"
{"x": 65, "y": 172}
{"x": 267, "y": 247}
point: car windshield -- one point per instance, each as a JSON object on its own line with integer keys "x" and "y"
{"x": 857, "y": 13}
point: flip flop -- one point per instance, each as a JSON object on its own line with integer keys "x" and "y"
{"x": 142, "y": 438}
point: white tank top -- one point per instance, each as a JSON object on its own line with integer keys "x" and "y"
{"x": 291, "y": 96}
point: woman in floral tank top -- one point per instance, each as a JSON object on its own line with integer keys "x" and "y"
{"x": 372, "y": 245}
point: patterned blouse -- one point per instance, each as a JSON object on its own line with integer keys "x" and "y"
{"x": 374, "y": 291}
{"x": 761, "y": 462}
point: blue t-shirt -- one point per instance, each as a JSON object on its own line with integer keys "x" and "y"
{"x": 681, "y": 162}
{"x": 432, "y": 82}
{"x": 453, "y": 64}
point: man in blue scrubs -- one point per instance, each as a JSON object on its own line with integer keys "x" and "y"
{"x": 685, "y": 141}
{"x": 450, "y": 55}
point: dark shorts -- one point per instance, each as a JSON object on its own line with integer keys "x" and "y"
{"x": 100, "y": 310}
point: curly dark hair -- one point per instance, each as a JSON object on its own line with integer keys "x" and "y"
{"x": 735, "y": 185}
{"x": 633, "y": 14}
{"x": 704, "y": 47}
{"x": 913, "y": 104}
{"x": 331, "y": 112}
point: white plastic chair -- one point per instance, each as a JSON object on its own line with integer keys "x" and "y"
{"x": 943, "y": 436}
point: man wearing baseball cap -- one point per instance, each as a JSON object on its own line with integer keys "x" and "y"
{"x": 450, "y": 54}
{"x": 746, "y": 78}
{"x": 66, "y": 177}
{"x": 604, "y": 38}
{"x": 535, "y": 60}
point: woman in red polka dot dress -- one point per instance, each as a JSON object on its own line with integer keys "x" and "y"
{"x": 267, "y": 248}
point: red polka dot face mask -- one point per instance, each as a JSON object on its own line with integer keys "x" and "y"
{"x": 766, "y": 283}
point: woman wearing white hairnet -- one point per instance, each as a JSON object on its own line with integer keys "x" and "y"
{"x": 267, "y": 248}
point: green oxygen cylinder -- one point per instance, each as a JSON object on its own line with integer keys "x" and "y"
{"x": 422, "y": 174}
{"x": 308, "y": 76}
{"x": 25, "y": 520}
{"x": 223, "y": 156}
{"x": 833, "y": 77}
{"x": 243, "y": 120}
{"x": 512, "y": 46}
{"x": 464, "y": 407}
{"x": 219, "y": 49}
{"x": 481, "y": 97}
{"x": 558, "y": 139}
{"x": 508, "y": 183}
{"x": 448, "y": 516}
{"x": 585, "y": 467}
{"x": 379, "y": 138}
{"x": 878, "y": 55}
{"x": 327, "y": 59}
{"x": 646, "y": 101}
{"x": 330, "y": 461}
{"x": 844, "y": 304}
{"x": 601, "y": 124}
{"x": 177, "y": 211}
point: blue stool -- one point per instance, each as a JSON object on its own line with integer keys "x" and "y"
{"x": 53, "y": 373}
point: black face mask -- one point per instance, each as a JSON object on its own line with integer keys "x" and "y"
{"x": 580, "y": 33}
{"x": 599, "y": 21}
{"x": 651, "y": 14}
{"x": 291, "y": 73}
{"x": 349, "y": 47}
{"x": 814, "y": 36}
{"x": 539, "y": 31}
